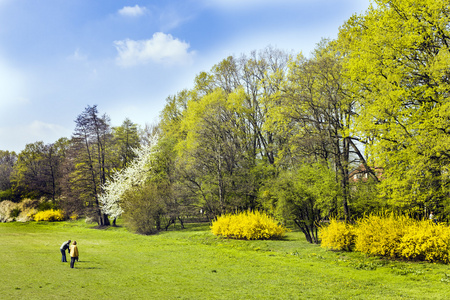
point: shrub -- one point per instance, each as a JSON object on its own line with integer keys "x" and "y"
{"x": 381, "y": 235}
{"x": 338, "y": 236}
{"x": 426, "y": 241}
{"x": 253, "y": 225}
{"x": 143, "y": 207}
{"x": 6, "y": 207}
{"x": 391, "y": 236}
{"x": 49, "y": 215}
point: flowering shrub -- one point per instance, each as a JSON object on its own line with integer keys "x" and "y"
{"x": 426, "y": 241}
{"x": 381, "y": 235}
{"x": 49, "y": 215}
{"x": 6, "y": 207}
{"x": 253, "y": 225}
{"x": 338, "y": 236}
{"x": 391, "y": 236}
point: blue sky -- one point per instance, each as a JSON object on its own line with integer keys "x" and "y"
{"x": 58, "y": 56}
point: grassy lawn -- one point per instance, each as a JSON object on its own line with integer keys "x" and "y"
{"x": 194, "y": 264}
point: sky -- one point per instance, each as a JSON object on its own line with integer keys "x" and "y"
{"x": 59, "y": 56}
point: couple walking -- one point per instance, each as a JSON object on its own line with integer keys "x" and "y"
{"x": 73, "y": 251}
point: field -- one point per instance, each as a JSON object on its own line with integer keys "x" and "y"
{"x": 194, "y": 264}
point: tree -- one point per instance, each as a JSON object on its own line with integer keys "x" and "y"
{"x": 37, "y": 172}
{"x": 213, "y": 154}
{"x": 314, "y": 114}
{"x": 126, "y": 138}
{"x": 397, "y": 56}
{"x": 7, "y": 161}
{"x": 91, "y": 165}
{"x": 306, "y": 195}
{"x": 135, "y": 174}
{"x": 143, "y": 207}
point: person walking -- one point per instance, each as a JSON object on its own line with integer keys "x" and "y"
{"x": 63, "y": 248}
{"x": 73, "y": 254}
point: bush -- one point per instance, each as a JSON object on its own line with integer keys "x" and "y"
{"x": 49, "y": 215}
{"x": 143, "y": 207}
{"x": 426, "y": 241}
{"x": 381, "y": 235}
{"x": 338, "y": 236}
{"x": 6, "y": 207}
{"x": 249, "y": 226}
{"x": 391, "y": 236}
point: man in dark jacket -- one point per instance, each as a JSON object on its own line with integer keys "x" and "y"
{"x": 65, "y": 246}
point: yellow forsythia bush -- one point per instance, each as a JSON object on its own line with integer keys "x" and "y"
{"x": 252, "y": 225}
{"x": 49, "y": 215}
{"x": 338, "y": 236}
{"x": 391, "y": 236}
{"x": 426, "y": 241}
{"x": 381, "y": 235}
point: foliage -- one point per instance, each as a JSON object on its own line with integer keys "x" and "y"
{"x": 126, "y": 139}
{"x": 248, "y": 225}
{"x": 304, "y": 195}
{"x": 20, "y": 212}
{"x": 6, "y": 195}
{"x": 364, "y": 198}
{"x": 381, "y": 235}
{"x": 143, "y": 208}
{"x": 391, "y": 236}
{"x": 426, "y": 241}
{"x": 7, "y": 160}
{"x": 6, "y": 207}
{"x": 49, "y": 215}
{"x": 134, "y": 174}
{"x": 338, "y": 235}
{"x": 38, "y": 170}
{"x": 397, "y": 57}
{"x": 91, "y": 164}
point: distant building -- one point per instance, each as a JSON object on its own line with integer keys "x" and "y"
{"x": 361, "y": 173}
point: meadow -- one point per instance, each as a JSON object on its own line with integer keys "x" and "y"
{"x": 194, "y": 264}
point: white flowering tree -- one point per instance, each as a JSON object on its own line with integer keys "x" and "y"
{"x": 135, "y": 174}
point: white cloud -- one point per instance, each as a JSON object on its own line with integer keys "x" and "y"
{"x": 132, "y": 11}
{"x": 161, "y": 48}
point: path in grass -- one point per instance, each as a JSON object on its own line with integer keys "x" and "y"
{"x": 194, "y": 264}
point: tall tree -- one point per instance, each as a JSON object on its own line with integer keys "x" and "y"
{"x": 126, "y": 138}
{"x": 7, "y": 161}
{"x": 37, "y": 172}
{"x": 314, "y": 113}
{"x": 398, "y": 58}
{"x": 91, "y": 140}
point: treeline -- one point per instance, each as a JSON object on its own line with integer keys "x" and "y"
{"x": 69, "y": 173}
{"x": 280, "y": 133}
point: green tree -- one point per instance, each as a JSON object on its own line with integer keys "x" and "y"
{"x": 143, "y": 207}
{"x": 91, "y": 164}
{"x": 213, "y": 155}
{"x": 398, "y": 58}
{"x": 37, "y": 172}
{"x": 306, "y": 195}
{"x": 314, "y": 114}
{"x": 7, "y": 161}
{"x": 126, "y": 138}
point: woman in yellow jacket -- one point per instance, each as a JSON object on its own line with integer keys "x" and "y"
{"x": 73, "y": 253}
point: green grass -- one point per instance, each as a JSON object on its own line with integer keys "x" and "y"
{"x": 194, "y": 264}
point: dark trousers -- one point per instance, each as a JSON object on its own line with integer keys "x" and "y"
{"x": 72, "y": 261}
{"x": 63, "y": 253}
